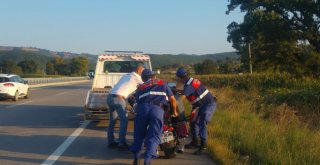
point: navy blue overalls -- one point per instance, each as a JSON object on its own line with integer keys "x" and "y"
{"x": 148, "y": 122}
{"x": 199, "y": 96}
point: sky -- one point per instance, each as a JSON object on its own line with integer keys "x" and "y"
{"x": 93, "y": 26}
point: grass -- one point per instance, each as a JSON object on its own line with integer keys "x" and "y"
{"x": 238, "y": 135}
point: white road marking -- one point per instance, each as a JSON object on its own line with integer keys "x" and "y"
{"x": 10, "y": 106}
{"x": 60, "y": 93}
{"x": 59, "y": 151}
{"x": 39, "y": 88}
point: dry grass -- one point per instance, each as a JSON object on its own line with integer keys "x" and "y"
{"x": 239, "y": 135}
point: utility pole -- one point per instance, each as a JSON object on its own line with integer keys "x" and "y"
{"x": 250, "y": 60}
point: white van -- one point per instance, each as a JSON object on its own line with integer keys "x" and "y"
{"x": 110, "y": 67}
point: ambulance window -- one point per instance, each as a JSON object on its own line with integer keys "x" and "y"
{"x": 120, "y": 66}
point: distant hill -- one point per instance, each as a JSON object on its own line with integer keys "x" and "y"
{"x": 42, "y": 56}
{"x": 159, "y": 60}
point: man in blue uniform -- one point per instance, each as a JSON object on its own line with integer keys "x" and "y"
{"x": 200, "y": 98}
{"x": 151, "y": 97}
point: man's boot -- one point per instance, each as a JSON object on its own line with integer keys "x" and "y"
{"x": 147, "y": 163}
{"x": 193, "y": 144}
{"x": 202, "y": 149}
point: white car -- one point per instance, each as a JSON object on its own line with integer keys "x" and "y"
{"x": 13, "y": 87}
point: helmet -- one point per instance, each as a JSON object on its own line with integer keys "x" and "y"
{"x": 181, "y": 72}
{"x": 146, "y": 73}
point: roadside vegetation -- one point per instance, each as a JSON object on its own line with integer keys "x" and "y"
{"x": 270, "y": 118}
{"x": 264, "y": 119}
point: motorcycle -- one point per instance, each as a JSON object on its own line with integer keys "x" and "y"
{"x": 169, "y": 139}
{"x": 174, "y": 129}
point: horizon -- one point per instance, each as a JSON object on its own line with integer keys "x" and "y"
{"x": 1, "y": 46}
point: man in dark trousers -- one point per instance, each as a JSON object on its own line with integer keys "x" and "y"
{"x": 151, "y": 97}
{"x": 202, "y": 100}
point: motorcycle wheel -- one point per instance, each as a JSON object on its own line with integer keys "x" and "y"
{"x": 169, "y": 150}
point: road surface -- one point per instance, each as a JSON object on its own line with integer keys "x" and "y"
{"x": 48, "y": 128}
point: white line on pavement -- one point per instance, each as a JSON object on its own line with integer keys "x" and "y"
{"x": 59, "y": 151}
{"x": 10, "y": 106}
{"x": 61, "y": 93}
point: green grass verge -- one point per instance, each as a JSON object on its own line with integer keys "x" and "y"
{"x": 238, "y": 135}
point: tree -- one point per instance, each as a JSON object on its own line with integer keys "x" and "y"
{"x": 50, "y": 68}
{"x": 279, "y": 32}
{"x": 60, "y": 66}
{"x": 79, "y": 65}
{"x": 228, "y": 66}
{"x": 8, "y": 66}
{"x": 28, "y": 66}
{"x": 206, "y": 67}
{"x": 302, "y": 17}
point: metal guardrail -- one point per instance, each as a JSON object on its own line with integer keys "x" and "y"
{"x": 33, "y": 81}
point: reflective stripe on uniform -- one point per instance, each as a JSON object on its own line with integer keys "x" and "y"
{"x": 154, "y": 93}
{"x": 189, "y": 81}
{"x": 200, "y": 97}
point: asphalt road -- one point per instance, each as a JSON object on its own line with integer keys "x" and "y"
{"x": 48, "y": 128}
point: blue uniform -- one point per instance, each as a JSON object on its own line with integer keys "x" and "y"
{"x": 199, "y": 96}
{"x": 151, "y": 96}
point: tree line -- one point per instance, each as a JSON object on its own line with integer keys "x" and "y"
{"x": 207, "y": 66}
{"x": 77, "y": 66}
